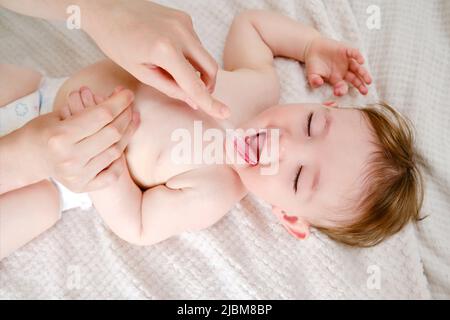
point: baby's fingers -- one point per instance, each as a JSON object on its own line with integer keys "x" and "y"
{"x": 353, "y": 53}
{"x": 315, "y": 80}
{"x": 340, "y": 88}
{"x": 350, "y": 77}
{"x": 360, "y": 71}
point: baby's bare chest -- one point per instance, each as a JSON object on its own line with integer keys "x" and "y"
{"x": 171, "y": 139}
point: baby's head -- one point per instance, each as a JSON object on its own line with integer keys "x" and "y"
{"x": 351, "y": 173}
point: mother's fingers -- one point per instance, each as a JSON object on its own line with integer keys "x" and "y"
{"x": 93, "y": 119}
{"x": 204, "y": 63}
{"x": 195, "y": 90}
{"x": 114, "y": 152}
{"x": 159, "y": 79}
{"x": 106, "y": 137}
{"x": 107, "y": 176}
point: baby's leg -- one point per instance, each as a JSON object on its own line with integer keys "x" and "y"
{"x": 101, "y": 77}
{"x": 17, "y": 82}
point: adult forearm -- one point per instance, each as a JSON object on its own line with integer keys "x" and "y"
{"x": 50, "y": 9}
{"x": 15, "y": 170}
{"x": 25, "y": 213}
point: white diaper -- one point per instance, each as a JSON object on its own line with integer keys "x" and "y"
{"x": 70, "y": 200}
{"x": 17, "y": 113}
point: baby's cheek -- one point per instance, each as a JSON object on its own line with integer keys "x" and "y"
{"x": 270, "y": 191}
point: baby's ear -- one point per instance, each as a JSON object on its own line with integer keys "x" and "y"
{"x": 298, "y": 227}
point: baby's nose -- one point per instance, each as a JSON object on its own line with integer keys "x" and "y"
{"x": 280, "y": 144}
{"x": 283, "y": 143}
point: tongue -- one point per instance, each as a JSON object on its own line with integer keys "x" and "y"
{"x": 250, "y": 148}
{"x": 246, "y": 151}
{"x": 256, "y": 143}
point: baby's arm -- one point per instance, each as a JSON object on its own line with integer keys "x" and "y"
{"x": 256, "y": 37}
{"x": 249, "y": 81}
{"x": 190, "y": 201}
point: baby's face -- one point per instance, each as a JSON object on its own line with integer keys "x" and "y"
{"x": 321, "y": 162}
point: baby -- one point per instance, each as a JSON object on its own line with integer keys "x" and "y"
{"x": 349, "y": 172}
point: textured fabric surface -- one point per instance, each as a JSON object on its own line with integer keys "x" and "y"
{"x": 248, "y": 254}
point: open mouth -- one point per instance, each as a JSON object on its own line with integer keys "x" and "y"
{"x": 250, "y": 148}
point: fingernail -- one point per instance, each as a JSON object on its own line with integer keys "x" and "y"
{"x": 191, "y": 103}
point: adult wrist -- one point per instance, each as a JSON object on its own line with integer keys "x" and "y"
{"x": 91, "y": 12}
{"x": 32, "y": 159}
{"x": 17, "y": 167}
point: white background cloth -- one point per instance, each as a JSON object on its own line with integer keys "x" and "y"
{"x": 248, "y": 254}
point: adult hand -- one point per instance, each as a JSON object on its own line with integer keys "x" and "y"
{"x": 83, "y": 150}
{"x": 158, "y": 46}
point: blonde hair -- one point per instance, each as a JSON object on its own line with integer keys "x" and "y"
{"x": 394, "y": 185}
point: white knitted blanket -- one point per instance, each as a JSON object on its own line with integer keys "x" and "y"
{"x": 248, "y": 254}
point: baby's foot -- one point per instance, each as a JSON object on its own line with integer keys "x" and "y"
{"x": 83, "y": 98}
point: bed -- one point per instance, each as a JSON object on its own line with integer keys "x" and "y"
{"x": 248, "y": 255}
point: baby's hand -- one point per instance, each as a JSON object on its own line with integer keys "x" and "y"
{"x": 336, "y": 63}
